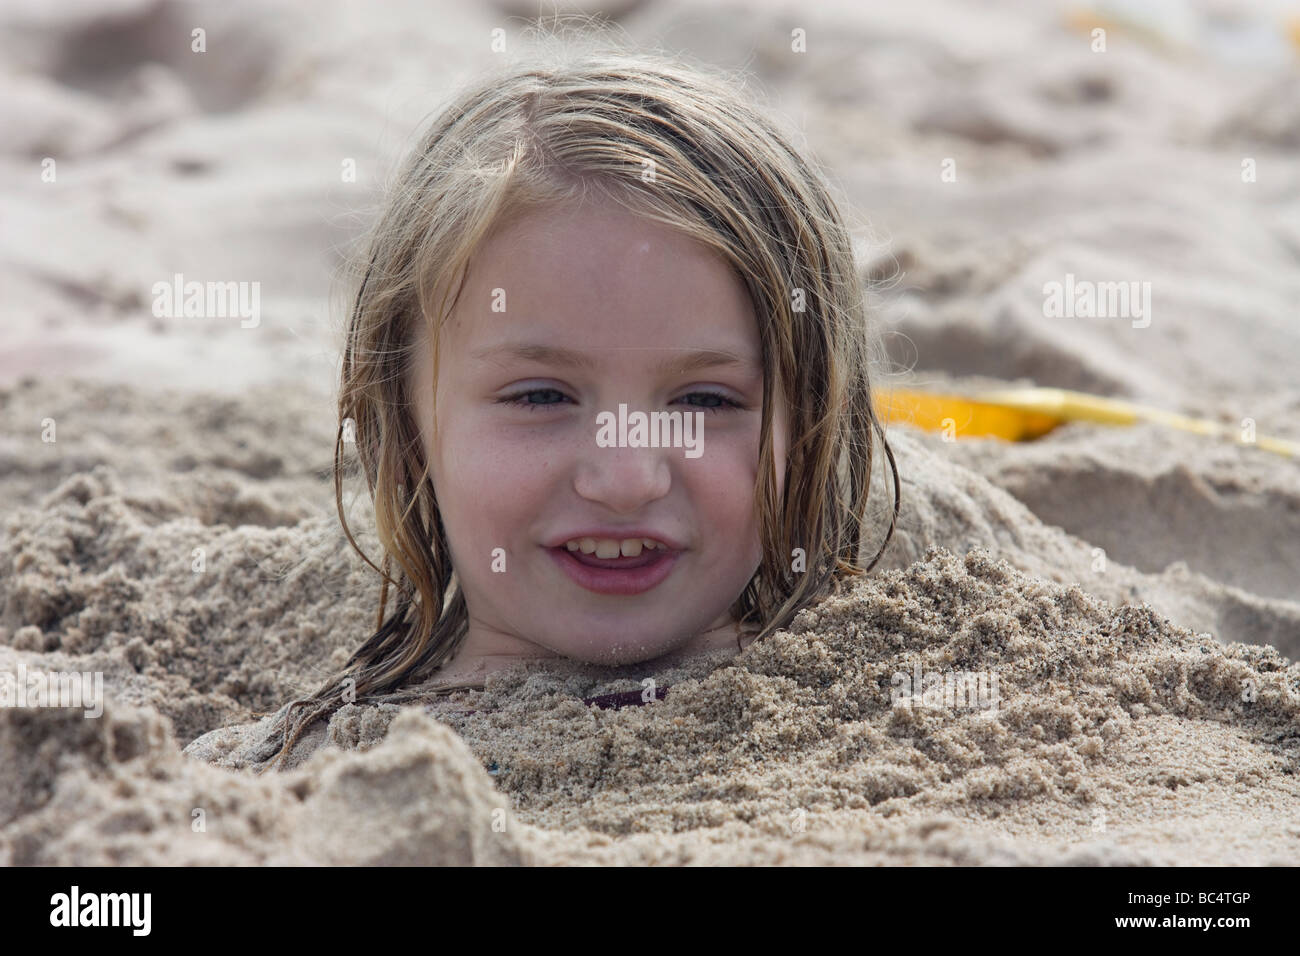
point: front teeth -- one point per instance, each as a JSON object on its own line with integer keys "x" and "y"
{"x": 610, "y": 548}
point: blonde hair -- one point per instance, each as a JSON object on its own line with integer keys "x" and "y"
{"x": 555, "y": 129}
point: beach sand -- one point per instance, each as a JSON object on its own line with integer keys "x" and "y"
{"x": 1130, "y": 593}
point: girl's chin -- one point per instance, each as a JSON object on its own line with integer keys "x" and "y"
{"x": 630, "y": 642}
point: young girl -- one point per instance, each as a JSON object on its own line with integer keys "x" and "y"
{"x": 600, "y": 234}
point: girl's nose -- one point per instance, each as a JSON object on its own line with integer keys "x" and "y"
{"x": 624, "y": 479}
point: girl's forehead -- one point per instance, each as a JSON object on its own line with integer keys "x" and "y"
{"x": 598, "y": 247}
{"x": 666, "y": 359}
{"x": 603, "y": 279}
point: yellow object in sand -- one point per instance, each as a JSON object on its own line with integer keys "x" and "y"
{"x": 1246, "y": 36}
{"x": 1023, "y": 414}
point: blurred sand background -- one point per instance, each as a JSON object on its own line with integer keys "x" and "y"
{"x": 1135, "y": 590}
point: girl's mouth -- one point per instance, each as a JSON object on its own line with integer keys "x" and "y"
{"x": 621, "y": 575}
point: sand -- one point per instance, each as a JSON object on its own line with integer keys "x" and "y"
{"x": 1130, "y": 593}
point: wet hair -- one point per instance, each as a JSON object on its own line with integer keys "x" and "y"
{"x": 556, "y": 127}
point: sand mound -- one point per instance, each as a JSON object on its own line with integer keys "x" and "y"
{"x": 200, "y": 572}
{"x": 117, "y": 791}
{"x": 1113, "y": 736}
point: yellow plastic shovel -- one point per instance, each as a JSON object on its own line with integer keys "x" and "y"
{"x": 1023, "y": 414}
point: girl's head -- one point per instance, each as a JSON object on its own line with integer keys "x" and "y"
{"x": 600, "y": 230}
{"x": 569, "y": 310}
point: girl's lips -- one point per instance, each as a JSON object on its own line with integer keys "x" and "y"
{"x": 616, "y": 575}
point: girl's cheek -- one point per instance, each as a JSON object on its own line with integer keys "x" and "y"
{"x": 720, "y": 486}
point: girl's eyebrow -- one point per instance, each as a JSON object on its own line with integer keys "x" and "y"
{"x": 691, "y": 362}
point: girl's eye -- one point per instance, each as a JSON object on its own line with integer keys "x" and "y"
{"x": 523, "y": 399}
{"x": 723, "y": 405}
{"x": 516, "y": 398}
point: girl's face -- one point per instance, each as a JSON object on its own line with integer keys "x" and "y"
{"x": 565, "y": 315}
